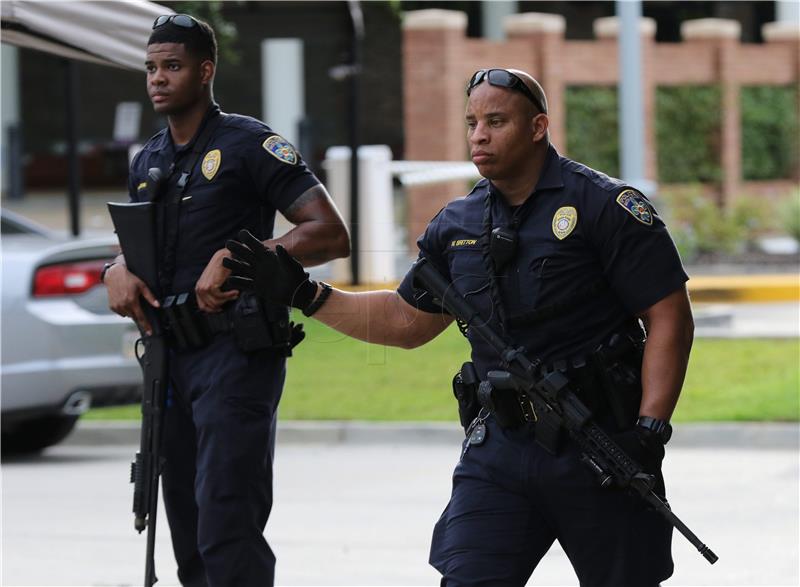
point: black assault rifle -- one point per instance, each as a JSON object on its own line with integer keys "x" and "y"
{"x": 555, "y": 404}
{"x": 135, "y": 225}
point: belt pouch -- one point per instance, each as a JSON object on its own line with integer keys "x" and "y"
{"x": 502, "y": 403}
{"x": 171, "y": 320}
{"x": 280, "y": 329}
{"x": 191, "y": 322}
{"x": 184, "y": 322}
{"x": 257, "y": 328}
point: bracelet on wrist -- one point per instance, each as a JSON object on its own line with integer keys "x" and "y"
{"x": 321, "y": 299}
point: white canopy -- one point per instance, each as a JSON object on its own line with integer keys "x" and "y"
{"x": 108, "y": 32}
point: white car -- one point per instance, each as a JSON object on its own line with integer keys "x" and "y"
{"x": 62, "y": 348}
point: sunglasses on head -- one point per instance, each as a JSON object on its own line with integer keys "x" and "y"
{"x": 503, "y": 78}
{"x": 182, "y": 20}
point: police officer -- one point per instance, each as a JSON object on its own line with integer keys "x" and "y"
{"x": 566, "y": 262}
{"x": 223, "y": 172}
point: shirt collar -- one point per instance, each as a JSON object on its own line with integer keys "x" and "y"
{"x": 551, "y": 172}
{"x": 213, "y": 110}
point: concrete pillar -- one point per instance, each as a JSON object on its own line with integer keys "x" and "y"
{"x": 545, "y": 33}
{"x": 376, "y": 230}
{"x": 11, "y": 141}
{"x": 788, "y": 11}
{"x": 433, "y": 105}
{"x": 283, "y": 86}
{"x": 608, "y": 28}
{"x": 493, "y": 13}
{"x": 787, "y": 33}
{"x": 723, "y": 35}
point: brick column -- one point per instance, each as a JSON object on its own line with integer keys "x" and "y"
{"x": 608, "y": 29}
{"x": 723, "y": 35}
{"x": 433, "y": 105}
{"x": 545, "y": 33}
{"x": 787, "y": 33}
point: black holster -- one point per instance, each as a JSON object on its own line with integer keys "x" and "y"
{"x": 465, "y": 389}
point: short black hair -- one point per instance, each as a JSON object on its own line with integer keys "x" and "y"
{"x": 199, "y": 40}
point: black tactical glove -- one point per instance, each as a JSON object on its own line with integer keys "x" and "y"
{"x": 275, "y": 276}
{"x": 643, "y": 448}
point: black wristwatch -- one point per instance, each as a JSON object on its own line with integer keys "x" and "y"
{"x": 655, "y": 428}
{"x": 321, "y": 299}
{"x": 105, "y": 269}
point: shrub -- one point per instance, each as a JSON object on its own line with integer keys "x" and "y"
{"x": 592, "y": 127}
{"x": 688, "y": 127}
{"x": 790, "y": 215}
{"x": 769, "y": 132}
{"x": 700, "y": 227}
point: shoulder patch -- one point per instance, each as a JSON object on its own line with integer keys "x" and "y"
{"x": 564, "y": 221}
{"x": 211, "y": 163}
{"x": 280, "y": 148}
{"x": 636, "y": 206}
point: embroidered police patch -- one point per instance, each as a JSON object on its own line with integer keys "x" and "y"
{"x": 638, "y": 207}
{"x": 564, "y": 221}
{"x": 280, "y": 148}
{"x": 211, "y": 163}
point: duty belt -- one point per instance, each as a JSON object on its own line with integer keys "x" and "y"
{"x": 190, "y": 328}
{"x": 603, "y": 379}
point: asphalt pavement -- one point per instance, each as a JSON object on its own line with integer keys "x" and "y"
{"x": 357, "y": 507}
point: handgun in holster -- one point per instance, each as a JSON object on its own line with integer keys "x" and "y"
{"x": 465, "y": 389}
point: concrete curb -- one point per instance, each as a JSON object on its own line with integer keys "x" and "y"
{"x": 723, "y": 435}
{"x": 783, "y": 287}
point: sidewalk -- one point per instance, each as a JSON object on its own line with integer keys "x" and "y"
{"x": 767, "y": 435}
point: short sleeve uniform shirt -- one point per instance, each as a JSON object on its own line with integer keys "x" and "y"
{"x": 583, "y": 236}
{"x": 243, "y": 175}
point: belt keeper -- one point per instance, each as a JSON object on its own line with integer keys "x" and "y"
{"x": 321, "y": 299}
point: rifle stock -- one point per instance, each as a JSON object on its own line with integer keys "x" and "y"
{"x": 136, "y": 229}
{"x": 551, "y": 395}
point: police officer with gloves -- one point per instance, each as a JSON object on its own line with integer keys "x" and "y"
{"x": 221, "y": 172}
{"x": 567, "y": 263}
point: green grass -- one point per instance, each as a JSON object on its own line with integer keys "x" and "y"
{"x": 332, "y": 377}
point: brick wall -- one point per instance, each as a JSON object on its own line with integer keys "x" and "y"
{"x": 438, "y": 57}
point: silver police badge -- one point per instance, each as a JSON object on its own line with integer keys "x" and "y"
{"x": 280, "y": 148}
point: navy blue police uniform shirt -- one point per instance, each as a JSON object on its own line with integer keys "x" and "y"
{"x": 592, "y": 254}
{"x": 244, "y": 174}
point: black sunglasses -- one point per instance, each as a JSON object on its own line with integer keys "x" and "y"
{"x": 182, "y": 20}
{"x": 504, "y": 79}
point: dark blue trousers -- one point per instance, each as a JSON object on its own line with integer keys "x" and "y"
{"x": 512, "y": 499}
{"x": 219, "y": 439}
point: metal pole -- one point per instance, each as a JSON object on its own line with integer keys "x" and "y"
{"x": 73, "y": 163}
{"x": 357, "y": 18}
{"x": 631, "y": 108}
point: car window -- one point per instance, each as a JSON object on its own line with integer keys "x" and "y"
{"x": 9, "y": 227}
{"x": 16, "y": 224}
